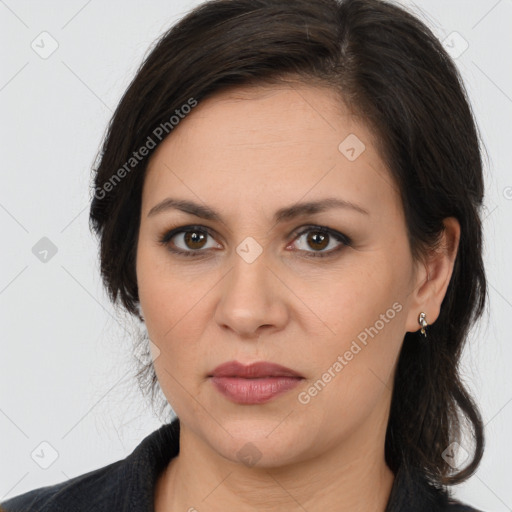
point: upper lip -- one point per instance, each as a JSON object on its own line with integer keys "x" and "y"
{"x": 254, "y": 370}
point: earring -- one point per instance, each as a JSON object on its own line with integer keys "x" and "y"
{"x": 423, "y": 323}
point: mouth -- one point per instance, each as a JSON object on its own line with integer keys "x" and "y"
{"x": 253, "y": 384}
{"x": 261, "y": 369}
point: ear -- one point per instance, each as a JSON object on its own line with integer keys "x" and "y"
{"x": 432, "y": 277}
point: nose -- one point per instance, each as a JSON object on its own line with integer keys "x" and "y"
{"x": 252, "y": 299}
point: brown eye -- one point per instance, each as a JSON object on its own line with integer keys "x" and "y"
{"x": 188, "y": 241}
{"x": 194, "y": 239}
{"x": 318, "y": 239}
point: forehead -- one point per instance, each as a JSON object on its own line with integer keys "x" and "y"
{"x": 267, "y": 116}
{"x": 262, "y": 142}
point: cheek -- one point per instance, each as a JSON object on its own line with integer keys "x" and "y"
{"x": 366, "y": 314}
{"x": 169, "y": 294}
{"x": 367, "y": 288}
{"x": 353, "y": 370}
{"x": 174, "y": 302}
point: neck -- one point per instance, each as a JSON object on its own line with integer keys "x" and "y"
{"x": 353, "y": 477}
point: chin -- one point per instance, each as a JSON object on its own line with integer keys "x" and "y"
{"x": 258, "y": 442}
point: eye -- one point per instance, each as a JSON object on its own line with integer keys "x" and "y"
{"x": 320, "y": 238}
{"x": 188, "y": 240}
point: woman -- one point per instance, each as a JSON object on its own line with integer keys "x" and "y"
{"x": 289, "y": 198}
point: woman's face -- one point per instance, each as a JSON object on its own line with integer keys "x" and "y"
{"x": 248, "y": 286}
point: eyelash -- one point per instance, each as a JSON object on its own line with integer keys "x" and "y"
{"x": 166, "y": 237}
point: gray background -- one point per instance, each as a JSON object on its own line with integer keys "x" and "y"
{"x": 65, "y": 369}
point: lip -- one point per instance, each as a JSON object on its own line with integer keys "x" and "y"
{"x": 255, "y": 383}
{"x": 253, "y": 371}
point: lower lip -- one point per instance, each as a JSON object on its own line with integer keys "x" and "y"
{"x": 253, "y": 391}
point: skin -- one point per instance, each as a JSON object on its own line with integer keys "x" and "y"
{"x": 247, "y": 152}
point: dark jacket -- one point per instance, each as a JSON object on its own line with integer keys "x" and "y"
{"x": 128, "y": 485}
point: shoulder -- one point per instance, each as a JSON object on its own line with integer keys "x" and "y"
{"x": 446, "y": 503}
{"x": 83, "y": 492}
{"x": 412, "y": 490}
{"x": 456, "y": 506}
{"x": 125, "y": 485}
{"x": 450, "y": 504}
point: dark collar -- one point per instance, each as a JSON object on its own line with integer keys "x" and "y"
{"x": 412, "y": 492}
{"x": 145, "y": 464}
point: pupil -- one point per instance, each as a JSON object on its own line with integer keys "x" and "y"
{"x": 314, "y": 238}
{"x": 194, "y": 238}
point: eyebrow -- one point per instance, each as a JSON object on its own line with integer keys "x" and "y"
{"x": 283, "y": 214}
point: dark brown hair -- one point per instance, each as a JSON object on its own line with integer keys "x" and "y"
{"x": 393, "y": 72}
